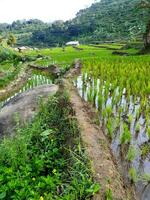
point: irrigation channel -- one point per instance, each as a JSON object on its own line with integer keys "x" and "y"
{"x": 125, "y": 127}
{"x": 36, "y": 79}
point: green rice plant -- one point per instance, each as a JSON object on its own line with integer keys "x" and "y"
{"x": 131, "y": 153}
{"x": 148, "y": 132}
{"x": 94, "y": 96}
{"x": 117, "y": 122}
{"x": 146, "y": 178}
{"x": 104, "y": 113}
{"x": 120, "y": 110}
{"x": 109, "y": 110}
{"x": 89, "y": 95}
{"x": 109, "y": 127}
{"x": 100, "y": 102}
{"x": 126, "y": 135}
{"x": 130, "y": 118}
{"x": 137, "y": 127}
{"x": 133, "y": 175}
{"x": 145, "y": 149}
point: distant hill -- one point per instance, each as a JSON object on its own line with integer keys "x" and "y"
{"x": 107, "y": 20}
{"x": 112, "y": 20}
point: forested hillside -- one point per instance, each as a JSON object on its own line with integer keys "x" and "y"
{"x": 113, "y": 19}
{"x": 22, "y": 29}
{"x": 106, "y": 20}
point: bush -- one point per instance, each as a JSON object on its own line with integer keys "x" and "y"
{"x": 7, "y": 54}
{"x": 45, "y": 160}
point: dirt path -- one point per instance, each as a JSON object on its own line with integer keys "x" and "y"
{"x": 104, "y": 168}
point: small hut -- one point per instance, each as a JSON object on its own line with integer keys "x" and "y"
{"x": 73, "y": 43}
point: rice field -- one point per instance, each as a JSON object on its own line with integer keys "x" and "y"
{"x": 119, "y": 88}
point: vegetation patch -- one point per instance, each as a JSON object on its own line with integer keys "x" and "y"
{"x": 145, "y": 150}
{"x": 45, "y": 160}
{"x": 9, "y": 72}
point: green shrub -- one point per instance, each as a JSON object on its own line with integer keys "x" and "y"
{"x": 43, "y": 160}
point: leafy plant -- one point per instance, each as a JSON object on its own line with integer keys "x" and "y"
{"x": 38, "y": 163}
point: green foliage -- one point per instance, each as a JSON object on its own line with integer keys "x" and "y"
{"x": 38, "y": 163}
{"x": 7, "y": 54}
{"x": 103, "y": 21}
{"x": 145, "y": 149}
{"x": 133, "y": 175}
{"x": 131, "y": 153}
{"x": 126, "y": 135}
{"x": 146, "y": 178}
{"x": 109, "y": 195}
{"x": 9, "y": 71}
{"x": 148, "y": 132}
{"x": 109, "y": 126}
{"x": 11, "y": 40}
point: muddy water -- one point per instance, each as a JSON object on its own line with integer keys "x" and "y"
{"x": 134, "y": 155}
{"x": 35, "y": 80}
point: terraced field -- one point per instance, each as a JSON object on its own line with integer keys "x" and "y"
{"x": 118, "y": 87}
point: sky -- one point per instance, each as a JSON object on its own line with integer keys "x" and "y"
{"x": 45, "y": 10}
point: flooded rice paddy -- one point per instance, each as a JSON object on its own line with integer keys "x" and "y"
{"x": 126, "y": 126}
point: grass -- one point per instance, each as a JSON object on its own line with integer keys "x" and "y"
{"x": 9, "y": 60}
{"x": 9, "y": 71}
{"x": 110, "y": 46}
{"x": 62, "y": 58}
{"x": 46, "y": 159}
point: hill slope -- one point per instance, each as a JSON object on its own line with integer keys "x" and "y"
{"x": 113, "y": 19}
{"x": 104, "y": 20}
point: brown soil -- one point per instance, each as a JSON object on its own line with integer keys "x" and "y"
{"x": 102, "y": 162}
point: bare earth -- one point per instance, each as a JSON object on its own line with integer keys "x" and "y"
{"x": 104, "y": 168}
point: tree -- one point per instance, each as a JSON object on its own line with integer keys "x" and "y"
{"x": 11, "y": 39}
{"x": 145, "y": 4}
